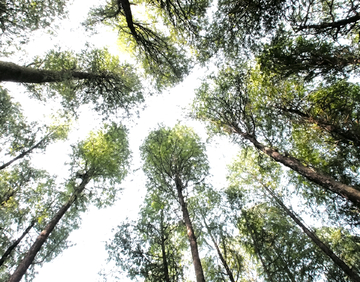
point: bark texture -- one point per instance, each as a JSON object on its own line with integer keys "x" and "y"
{"x": 16, "y": 73}
{"x": 190, "y": 232}
{"x": 311, "y": 174}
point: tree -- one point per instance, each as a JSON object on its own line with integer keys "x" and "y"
{"x": 161, "y": 52}
{"x": 247, "y": 178}
{"x": 309, "y": 58}
{"x": 174, "y": 160}
{"x": 243, "y": 27}
{"x": 232, "y": 105}
{"x": 93, "y": 76}
{"x": 103, "y": 158}
{"x": 18, "y": 137}
{"x": 150, "y": 247}
{"x": 18, "y": 18}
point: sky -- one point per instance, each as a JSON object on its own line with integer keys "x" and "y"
{"x": 83, "y": 261}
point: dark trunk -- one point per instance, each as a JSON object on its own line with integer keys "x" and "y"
{"x": 311, "y": 174}
{"x": 163, "y": 249}
{"x": 222, "y": 259}
{"x": 190, "y": 232}
{"x": 332, "y": 25}
{"x": 339, "y": 262}
{"x": 23, "y": 154}
{"x": 40, "y": 240}
{"x": 15, "y": 73}
{"x": 16, "y": 243}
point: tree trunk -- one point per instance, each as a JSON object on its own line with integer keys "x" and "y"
{"x": 339, "y": 262}
{"x": 23, "y": 154}
{"x": 311, "y": 174}
{"x": 15, "y": 73}
{"x": 16, "y": 243}
{"x": 40, "y": 240}
{"x": 332, "y": 25}
{"x": 222, "y": 259}
{"x": 190, "y": 232}
{"x": 163, "y": 249}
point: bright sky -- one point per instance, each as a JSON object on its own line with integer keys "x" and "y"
{"x": 83, "y": 261}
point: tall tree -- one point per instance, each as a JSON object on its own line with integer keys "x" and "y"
{"x": 150, "y": 247}
{"x": 174, "y": 161}
{"x": 18, "y": 18}
{"x": 95, "y": 77}
{"x": 249, "y": 177}
{"x": 233, "y": 104}
{"x": 103, "y": 158}
{"x": 158, "y": 42}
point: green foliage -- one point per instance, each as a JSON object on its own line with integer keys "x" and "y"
{"x": 170, "y": 153}
{"x": 18, "y": 18}
{"x": 150, "y": 248}
{"x": 259, "y": 220}
{"x": 104, "y": 157}
{"x": 90, "y": 77}
{"x": 308, "y": 58}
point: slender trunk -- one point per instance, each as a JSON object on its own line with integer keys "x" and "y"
{"x": 190, "y": 232}
{"x": 256, "y": 247}
{"x": 339, "y": 262}
{"x": 40, "y": 240}
{"x": 343, "y": 135}
{"x": 16, "y": 243}
{"x": 16, "y": 73}
{"x": 163, "y": 249}
{"x": 23, "y": 154}
{"x": 222, "y": 259}
{"x": 311, "y": 174}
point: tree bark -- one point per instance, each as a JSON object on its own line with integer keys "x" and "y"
{"x": 311, "y": 174}
{"x": 16, "y": 243}
{"x": 40, "y": 240}
{"x": 339, "y": 262}
{"x": 190, "y": 232}
{"x": 15, "y": 73}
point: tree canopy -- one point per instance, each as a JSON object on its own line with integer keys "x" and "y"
{"x": 279, "y": 80}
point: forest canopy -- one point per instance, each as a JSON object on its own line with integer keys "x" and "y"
{"x": 278, "y": 93}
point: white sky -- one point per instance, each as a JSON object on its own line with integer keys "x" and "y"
{"x": 83, "y": 261}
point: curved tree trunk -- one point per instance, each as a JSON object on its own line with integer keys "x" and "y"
{"x": 190, "y": 232}
{"x": 40, "y": 240}
{"x": 338, "y": 261}
{"x": 311, "y": 174}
